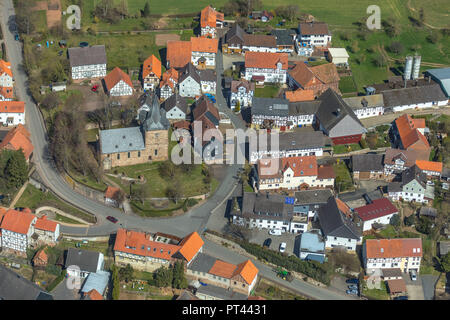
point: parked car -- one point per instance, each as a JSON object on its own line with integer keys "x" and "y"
{"x": 283, "y": 247}
{"x": 94, "y": 88}
{"x": 275, "y": 232}
{"x": 400, "y": 298}
{"x": 267, "y": 242}
{"x": 112, "y": 219}
{"x": 352, "y": 280}
{"x": 413, "y": 275}
{"x": 353, "y": 287}
{"x": 354, "y": 292}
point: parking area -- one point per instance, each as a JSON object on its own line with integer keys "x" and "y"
{"x": 259, "y": 236}
{"x": 414, "y": 288}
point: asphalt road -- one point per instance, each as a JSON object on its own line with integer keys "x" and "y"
{"x": 194, "y": 220}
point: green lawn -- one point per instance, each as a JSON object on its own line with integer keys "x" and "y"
{"x": 376, "y": 294}
{"x": 99, "y": 246}
{"x": 343, "y": 179}
{"x": 269, "y": 91}
{"x": 346, "y": 85}
{"x": 341, "y": 148}
{"x": 88, "y": 181}
{"x": 61, "y": 218}
{"x": 34, "y": 198}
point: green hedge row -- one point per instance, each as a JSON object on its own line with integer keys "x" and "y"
{"x": 57, "y": 280}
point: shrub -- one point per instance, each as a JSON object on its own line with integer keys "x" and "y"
{"x": 55, "y": 282}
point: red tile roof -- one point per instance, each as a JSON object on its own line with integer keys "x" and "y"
{"x": 12, "y": 106}
{"x": 302, "y": 166}
{"x": 191, "y": 245}
{"x": 169, "y": 77}
{"x": 41, "y": 255}
{"x": 5, "y": 67}
{"x": 407, "y": 129}
{"x": 223, "y": 269}
{"x": 393, "y": 248}
{"x": 396, "y": 286}
{"x": 266, "y": 60}
{"x": 247, "y": 271}
{"x": 343, "y": 207}
{"x": 115, "y": 76}
{"x": 325, "y": 172}
{"x": 111, "y": 192}
{"x": 94, "y": 295}
{"x": 44, "y": 224}
{"x": 209, "y": 17}
{"x": 17, "y": 138}
{"x": 299, "y": 95}
{"x": 306, "y": 76}
{"x": 16, "y": 221}
{"x": 199, "y": 44}
{"x": 429, "y": 165}
{"x": 327, "y": 73}
{"x": 178, "y": 53}
{"x": 151, "y": 65}
{"x": 378, "y": 208}
{"x": 7, "y": 92}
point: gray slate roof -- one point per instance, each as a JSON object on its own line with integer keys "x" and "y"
{"x": 87, "y": 56}
{"x": 202, "y": 263}
{"x": 333, "y": 223}
{"x": 270, "y": 107}
{"x": 121, "y": 140}
{"x": 235, "y": 35}
{"x": 414, "y": 173}
{"x": 207, "y": 75}
{"x": 85, "y": 259}
{"x": 14, "y": 287}
{"x": 444, "y": 247}
{"x": 284, "y": 37}
{"x": 221, "y": 293}
{"x": 306, "y": 197}
{"x": 394, "y": 187}
{"x": 155, "y": 117}
{"x": 392, "y": 272}
{"x": 368, "y": 162}
{"x": 271, "y": 206}
{"x": 413, "y": 95}
{"x": 175, "y": 100}
{"x": 300, "y": 140}
{"x": 303, "y": 107}
{"x": 189, "y": 70}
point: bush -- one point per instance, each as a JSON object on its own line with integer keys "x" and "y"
{"x": 409, "y": 221}
{"x": 55, "y": 282}
{"x": 396, "y": 47}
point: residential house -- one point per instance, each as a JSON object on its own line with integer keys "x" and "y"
{"x": 266, "y": 67}
{"x": 366, "y": 106}
{"x": 405, "y": 254}
{"x": 148, "y": 142}
{"x": 419, "y": 97}
{"x": 441, "y": 76}
{"x": 303, "y": 113}
{"x": 377, "y": 211}
{"x": 313, "y": 34}
{"x": 118, "y": 83}
{"x": 148, "y": 252}
{"x": 368, "y": 167}
{"x": 212, "y": 292}
{"x": 398, "y": 160}
{"x": 178, "y": 54}
{"x": 13, "y": 286}
{"x": 312, "y": 247}
{"x": 87, "y": 62}
{"x": 299, "y": 95}
{"x": 241, "y": 91}
{"x": 338, "y": 56}
{"x": 6, "y": 76}
{"x": 412, "y": 187}
{"x": 112, "y": 195}
{"x": 80, "y": 263}
{"x": 210, "y": 20}
{"x": 285, "y": 40}
{"x": 318, "y": 78}
{"x": 338, "y": 230}
{"x": 325, "y": 176}
{"x": 40, "y": 259}
{"x": 208, "y": 81}
{"x": 270, "y": 113}
{"x": 396, "y": 287}
{"x": 391, "y": 274}
{"x": 233, "y": 40}
{"x": 6, "y": 93}
{"x": 96, "y": 282}
{"x": 291, "y": 144}
{"x": 312, "y": 200}
{"x": 16, "y": 139}
{"x": 203, "y": 52}
{"x": 239, "y": 278}
{"x": 168, "y": 84}
{"x": 46, "y": 231}
{"x": 176, "y": 107}
{"x": 263, "y": 15}
{"x": 16, "y": 229}
{"x": 193, "y": 82}
{"x": 12, "y": 113}
{"x": 408, "y": 134}
{"x": 151, "y": 73}
{"x": 432, "y": 169}
{"x": 259, "y": 43}
{"x": 337, "y": 120}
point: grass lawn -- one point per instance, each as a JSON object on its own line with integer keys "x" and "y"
{"x": 376, "y": 294}
{"x": 66, "y": 219}
{"x": 269, "y": 91}
{"x": 88, "y": 181}
{"x": 343, "y": 177}
{"x": 341, "y": 148}
{"x": 34, "y": 198}
{"x": 98, "y": 246}
{"x": 346, "y": 85}
{"x": 270, "y": 291}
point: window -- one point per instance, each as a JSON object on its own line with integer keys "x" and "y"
{"x": 139, "y": 154}
{"x": 118, "y": 156}
{"x": 129, "y": 154}
{"x": 156, "y": 152}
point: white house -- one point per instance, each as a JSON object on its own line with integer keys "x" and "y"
{"x": 80, "y": 263}
{"x": 16, "y": 230}
{"x": 12, "y": 113}
{"x": 265, "y": 67}
{"x": 176, "y": 107}
{"x": 366, "y": 106}
{"x": 378, "y": 211}
{"x": 203, "y": 54}
{"x": 6, "y": 93}
{"x": 167, "y": 85}
{"x": 412, "y": 188}
{"x": 313, "y": 34}
{"x": 47, "y": 231}
{"x": 118, "y": 83}
{"x": 259, "y": 43}
{"x": 404, "y": 254}
{"x": 210, "y": 20}
{"x": 433, "y": 169}
{"x": 338, "y": 56}
{"x": 189, "y": 84}
{"x": 398, "y": 160}
{"x": 87, "y": 62}
{"x": 242, "y": 91}
{"x": 6, "y": 76}
{"x": 151, "y": 73}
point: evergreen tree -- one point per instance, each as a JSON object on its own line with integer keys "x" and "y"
{"x": 146, "y": 11}
{"x": 16, "y": 170}
{"x": 116, "y": 283}
{"x": 163, "y": 277}
{"x": 179, "y": 280}
{"x": 126, "y": 273}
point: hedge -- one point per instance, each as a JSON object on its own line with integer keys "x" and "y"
{"x": 57, "y": 280}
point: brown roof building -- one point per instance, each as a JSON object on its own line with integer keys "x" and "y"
{"x": 318, "y": 78}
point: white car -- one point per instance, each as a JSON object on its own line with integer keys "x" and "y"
{"x": 275, "y": 232}
{"x": 413, "y": 275}
{"x": 283, "y": 247}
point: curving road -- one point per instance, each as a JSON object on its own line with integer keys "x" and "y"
{"x": 194, "y": 220}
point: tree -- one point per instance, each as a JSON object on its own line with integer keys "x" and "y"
{"x": 237, "y": 231}
{"x": 140, "y": 192}
{"x": 116, "y": 283}
{"x": 163, "y": 277}
{"x": 434, "y": 37}
{"x": 179, "y": 280}
{"x": 126, "y": 274}
{"x": 396, "y": 47}
{"x": 175, "y": 190}
{"x": 380, "y": 60}
{"x": 167, "y": 169}
{"x": 424, "y": 225}
{"x": 51, "y": 101}
{"x": 146, "y": 11}
{"x": 16, "y": 170}
{"x": 391, "y": 27}
{"x": 395, "y": 220}
{"x": 422, "y": 16}
{"x": 237, "y": 108}
{"x": 445, "y": 263}
{"x": 409, "y": 221}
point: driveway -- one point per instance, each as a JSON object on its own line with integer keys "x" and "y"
{"x": 414, "y": 288}
{"x": 61, "y": 292}
{"x": 428, "y": 284}
{"x": 260, "y": 235}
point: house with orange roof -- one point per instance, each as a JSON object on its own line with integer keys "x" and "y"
{"x": 178, "y": 54}
{"x": 151, "y": 73}
{"x": 40, "y": 259}
{"x": 433, "y": 169}
{"x": 210, "y": 20}
{"x": 409, "y": 135}
{"x": 168, "y": 84}
{"x": 291, "y": 173}
{"x": 266, "y": 67}
{"x": 299, "y": 95}
{"x": 111, "y": 196}
{"x": 239, "y": 278}
{"x": 47, "y": 231}
{"x": 6, "y": 76}
{"x": 404, "y": 254}
{"x": 118, "y": 83}
{"x": 16, "y": 139}
{"x": 12, "y": 113}
{"x": 145, "y": 251}
{"x": 203, "y": 52}
{"x": 6, "y": 93}
{"x": 17, "y": 229}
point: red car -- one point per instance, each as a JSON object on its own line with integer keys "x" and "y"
{"x": 112, "y": 219}
{"x": 94, "y": 88}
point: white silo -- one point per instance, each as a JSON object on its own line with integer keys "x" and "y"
{"x": 408, "y": 68}
{"x": 416, "y": 67}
